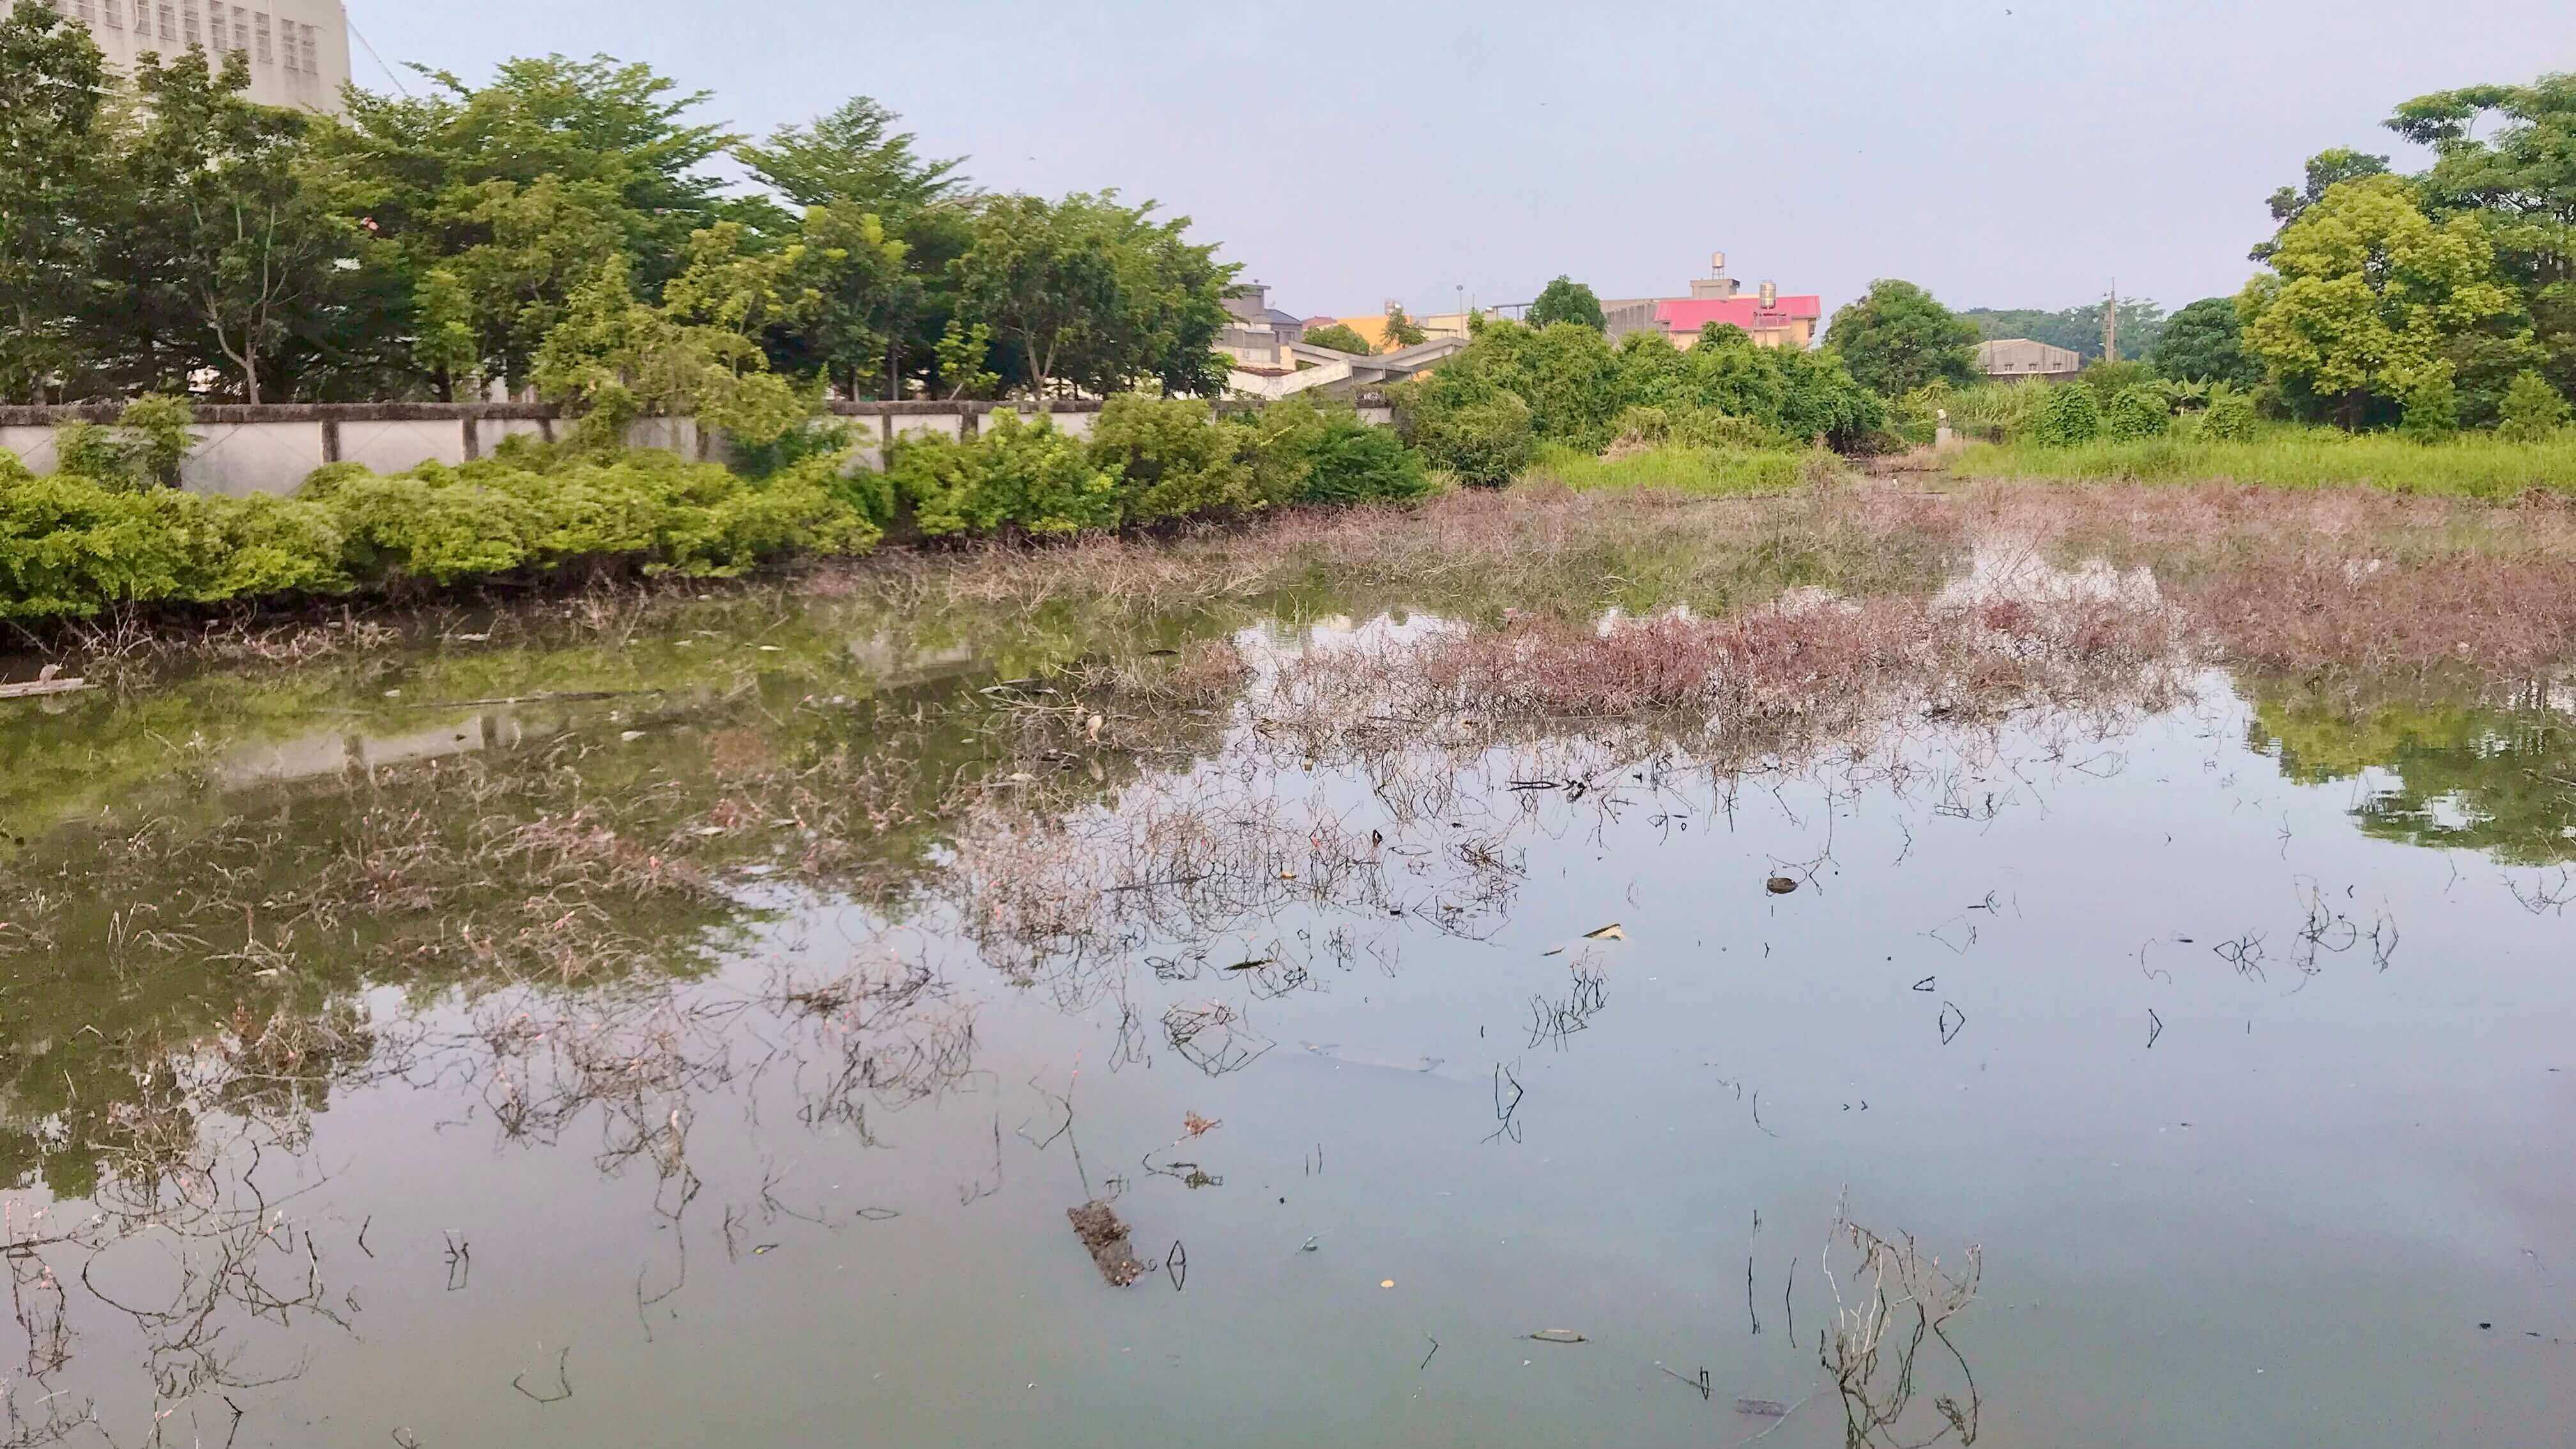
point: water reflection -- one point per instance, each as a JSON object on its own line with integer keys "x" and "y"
{"x": 532, "y": 1073}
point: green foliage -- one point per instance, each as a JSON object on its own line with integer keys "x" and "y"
{"x": 1566, "y": 300}
{"x": 2140, "y": 411}
{"x": 1693, "y": 427}
{"x": 1094, "y": 293}
{"x": 221, "y": 227}
{"x": 1576, "y": 388}
{"x": 853, "y": 156}
{"x": 1484, "y": 436}
{"x": 2533, "y": 410}
{"x": 2229, "y": 418}
{"x": 53, "y": 83}
{"x": 1172, "y": 460}
{"x": 1402, "y": 330}
{"x": 2432, "y": 407}
{"x": 2470, "y": 465}
{"x": 2204, "y": 342}
{"x": 1011, "y": 475}
{"x": 2365, "y": 291}
{"x": 2110, "y": 379}
{"x": 149, "y": 441}
{"x": 1897, "y": 339}
{"x": 1351, "y": 462}
{"x": 2325, "y": 171}
{"x": 1682, "y": 468}
{"x": 72, "y": 546}
{"x": 1339, "y": 338}
{"x": 2066, "y": 418}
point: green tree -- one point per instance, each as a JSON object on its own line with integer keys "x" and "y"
{"x": 1402, "y": 330}
{"x": 1339, "y": 338}
{"x": 2432, "y": 405}
{"x": 856, "y": 163}
{"x": 2508, "y": 154}
{"x": 2325, "y": 171}
{"x": 2364, "y": 292}
{"x": 1898, "y": 338}
{"x": 222, "y": 219}
{"x": 52, "y": 87}
{"x": 1567, "y": 300}
{"x": 854, "y": 157}
{"x": 526, "y": 188}
{"x": 2205, "y": 342}
{"x": 1095, "y": 294}
{"x": 2533, "y": 410}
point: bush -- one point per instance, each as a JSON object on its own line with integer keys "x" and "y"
{"x": 2067, "y": 418}
{"x": 1339, "y": 338}
{"x": 1011, "y": 475}
{"x": 70, "y": 546}
{"x": 2139, "y": 412}
{"x": 1693, "y": 427}
{"x": 2230, "y": 418}
{"x": 1486, "y": 441}
{"x": 1352, "y": 462}
{"x": 2432, "y": 407}
{"x": 144, "y": 448}
{"x": 1173, "y": 460}
{"x": 2532, "y": 411}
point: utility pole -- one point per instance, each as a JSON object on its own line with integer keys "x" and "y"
{"x": 2111, "y": 325}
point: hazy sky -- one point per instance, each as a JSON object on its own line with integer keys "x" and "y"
{"x": 2003, "y": 153}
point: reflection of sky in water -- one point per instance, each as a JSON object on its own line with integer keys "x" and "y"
{"x": 2256, "y": 1111}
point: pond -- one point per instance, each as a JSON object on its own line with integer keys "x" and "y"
{"x": 698, "y": 1026}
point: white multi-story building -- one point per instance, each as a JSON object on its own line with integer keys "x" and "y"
{"x": 298, "y": 49}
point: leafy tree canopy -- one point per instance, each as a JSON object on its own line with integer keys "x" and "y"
{"x": 1898, "y": 338}
{"x": 2364, "y": 292}
{"x": 1339, "y": 338}
{"x": 1567, "y": 300}
{"x": 2204, "y": 342}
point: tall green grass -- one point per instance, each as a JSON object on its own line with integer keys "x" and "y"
{"x": 2476, "y": 465}
{"x": 1710, "y": 472}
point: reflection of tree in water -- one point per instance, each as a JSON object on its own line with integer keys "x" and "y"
{"x": 567, "y": 911}
{"x": 2500, "y": 778}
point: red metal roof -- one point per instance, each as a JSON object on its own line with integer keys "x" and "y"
{"x": 1688, "y": 315}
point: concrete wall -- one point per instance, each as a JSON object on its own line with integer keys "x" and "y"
{"x": 271, "y": 448}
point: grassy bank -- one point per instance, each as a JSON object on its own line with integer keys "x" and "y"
{"x": 2471, "y": 466}
{"x": 1678, "y": 468}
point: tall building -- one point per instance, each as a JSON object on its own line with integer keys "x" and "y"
{"x": 298, "y": 49}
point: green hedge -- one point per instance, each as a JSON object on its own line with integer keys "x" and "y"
{"x": 1148, "y": 461}
{"x": 73, "y": 546}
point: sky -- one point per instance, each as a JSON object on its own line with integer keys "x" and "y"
{"x": 2004, "y": 153}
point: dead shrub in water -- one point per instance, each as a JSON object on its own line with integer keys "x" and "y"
{"x": 2363, "y": 618}
{"x": 1900, "y": 1299}
{"x": 1815, "y": 665}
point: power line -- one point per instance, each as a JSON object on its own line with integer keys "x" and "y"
{"x": 379, "y": 60}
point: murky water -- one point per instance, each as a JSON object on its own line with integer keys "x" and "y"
{"x": 2218, "y": 1034}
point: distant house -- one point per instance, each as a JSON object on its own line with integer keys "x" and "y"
{"x": 1769, "y": 318}
{"x": 2019, "y": 359}
{"x": 1257, "y": 335}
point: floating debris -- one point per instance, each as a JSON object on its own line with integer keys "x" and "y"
{"x": 1559, "y": 1335}
{"x": 1780, "y": 885}
{"x": 1106, "y": 1237}
{"x": 1762, "y": 1408}
{"x": 1610, "y": 932}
